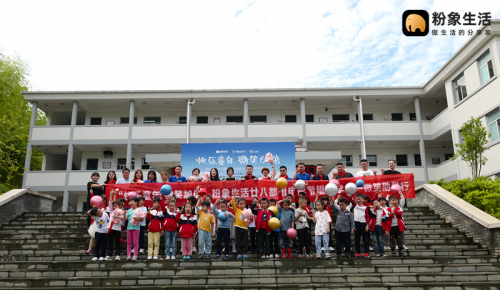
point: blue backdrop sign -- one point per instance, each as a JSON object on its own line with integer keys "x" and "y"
{"x": 237, "y": 155}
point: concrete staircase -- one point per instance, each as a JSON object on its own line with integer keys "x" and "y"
{"x": 40, "y": 250}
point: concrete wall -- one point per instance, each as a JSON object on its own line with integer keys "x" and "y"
{"x": 19, "y": 201}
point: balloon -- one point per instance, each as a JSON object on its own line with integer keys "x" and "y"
{"x": 96, "y": 201}
{"x": 166, "y": 189}
{"x": 395, "y": 189}
{"x": 274, "y": 210}
{"x": 281, "y": 183}
{"x": 335, "y": 181}
{"x": 291, "y": 233}
{"x": 269, "y": 157}
{"x": 205, "y": 177}
{"x": 360, "y": 183}
{"x": 131, "y": 194}
{"x": 222, "y": 216}
{"x": 351, "y": 188}
{"x": 300, "y": 184}
{"x": 331, "y": 189}
{"x": 274, "y": 223}
{"x": 247, "y": 213}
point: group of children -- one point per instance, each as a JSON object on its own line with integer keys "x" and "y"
{"x": 204, "y": 220}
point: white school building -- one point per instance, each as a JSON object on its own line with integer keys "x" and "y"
{"x": 418, "y": 126}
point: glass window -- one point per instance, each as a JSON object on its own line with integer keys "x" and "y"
{"x": 402, "y": 159}
{"x": 448, "y": 156}
{"x": 145, "y": 166}
{"x": 372, "y": 159}
{"x": 413, "y": 117}
{"x": 95, "y": 121}
{"x": 122, "y": 163}
{"x": 234, "y": 119}
{"x": 258, "y": 119}
{"x": 92, "y": 163}
{"x": 290, "y": 118}
{"x": 486, "y": 67}
{"x": 182, "y": 120}
{"x": 347, "y": 160}
{"x": 309, "y": 118}
{"x": 366, "y": 117}
{"x": 202, "y": 120}
{"x": 397, "y": 117}
{"x": 152, "y": 120}
{"x": 124, "y": 120}
{"x": 340, "y": 118}
{"x": 494, "y": 124}
{"x": 460, "y": 88}
{"x": 418, "y": 161}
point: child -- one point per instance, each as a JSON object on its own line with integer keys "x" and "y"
{"x": 188, "y": 227}
{"x": 396, "y": 226}
{"x": 377, "y": 223}
{"x": 362, "y": 230}
{"x": 251, "y": 228}
{"x": 155, "y": 216}
{"x": 387, "y": 241}
{"x": 322, "y": 229}
{"x": 232, "y": 234}
{"x": 223, "y": 229}
{"x": 115, "y": 231}
{"x": 287, "y": 220}
{"x": 141, "y": 206}
{"x": 275, "y": 236}
{"x": 170, "y": 228}
{"x": 101, "y": 220}
{"x": 205, "y": 227}
{"x": 328, "y": 208}
{"x": 301, "y": 222}
{"x": 241, "y": 229}
{"x": 344, "y": 227}
{"x": 132, "y": 230}
{"x": 262, "y": 227}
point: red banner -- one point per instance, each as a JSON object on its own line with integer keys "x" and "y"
{"x": 265, "y": 188}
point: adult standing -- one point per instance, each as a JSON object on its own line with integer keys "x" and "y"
{"x": 177, "y": 177}
{"x": 249, "y": 176}
{"x": 283, "y": 173}
{"x": 392, "y": 168}
{"x": 301, "y": 174}
{"x": 138, "y": 177}
{"x": 214, "y": 174}
{"x": 126, "y": 176}
{"x": 341, "y": 173}
{"x": 151, "y": 177}
{"x": 320, "y": 173}
{"x": 93, "y": 189}
{"x": 364, "y": 169}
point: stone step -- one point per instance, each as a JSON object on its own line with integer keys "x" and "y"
{"x": 331, "y": 280}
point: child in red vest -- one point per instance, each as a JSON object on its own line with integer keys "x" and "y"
{"x": 188, "y": 226}
{"x": 262, "y": 227}
{"x": 376, "y": 220}
{"x": 155, "y": 218}
{"x": 170, "y": 228}
{"x": 396, "y": 226}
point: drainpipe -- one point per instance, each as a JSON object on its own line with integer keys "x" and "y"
{"x": 188, "y": 119}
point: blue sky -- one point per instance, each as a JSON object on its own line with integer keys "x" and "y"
{"x": 161, "y": 45}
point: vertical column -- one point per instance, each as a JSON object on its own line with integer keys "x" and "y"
{"x": 27, "y": 161}
{"x": 362, "y": 126}
{"x": 69, "y": 161}
{"x": 188, "y": 120}
{"x": 303, "y": 119}
{"x": 245, "y": 118}
{"x": 421, "y": 143}
{"x": 129, "y": 143}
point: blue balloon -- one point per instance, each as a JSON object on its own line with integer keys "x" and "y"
{"x": 360, "y": 183}
{"x": 166, "y": 189}
{"x": 222, "y": 216}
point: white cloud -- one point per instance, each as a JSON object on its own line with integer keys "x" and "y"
{"x": 109, "y": 45}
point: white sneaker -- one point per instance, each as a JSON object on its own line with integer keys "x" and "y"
{"x": 194, "y": 249}
{"x": 173, "y": 257}
{"x": 95, "y": 259}
{"x": 101, "y": 259}
{"x": 117, "y": 258}
{"x": 322, "y": 249}
{"x": 387, "y": 248}
{"x": 155, "y": 258}
{"x": 263, "y": 257}
{"x": 397, "y": 247}
{"x": 377, "y": 255}
{"x": 331, "y": 249}
{"x": 108, "y": 258}
{"x": 167, "y": 258}
{"x": 318, "y": 256}
{"x": 149, "y": 257}
{"x": 327, "y": 255}
{"x": 141, "y": 251}
{"x": 404, "y": 247}
{"x": 132, "y": 251}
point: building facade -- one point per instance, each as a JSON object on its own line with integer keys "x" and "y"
{"x": 417, "y": 126}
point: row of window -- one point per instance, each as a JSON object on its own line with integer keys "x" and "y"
{"x": 93, "y": 164}
{"x": 254, "y": 119}
{"x": 485, "y": 71}
{"x": 401, "y": 159}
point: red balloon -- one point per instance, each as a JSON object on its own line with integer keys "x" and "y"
{"x": 395, "y": 189}
{"x": 291, "y": 233}
{"x": 131, "y": 194}
{"x": 335, "y": 181}
{"x": 96, "y": 201}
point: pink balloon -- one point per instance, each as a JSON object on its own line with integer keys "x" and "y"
{"x": 335, "y": 181}
{"x": 247, "y": 213}
{"x": 291, "y": 233}
{"x": 131, "y": 194}
{"x": 395, "y": 189}
{"x": 96, "y": 201}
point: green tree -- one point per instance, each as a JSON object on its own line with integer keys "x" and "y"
{"x": 471, "y": 150}
{"x": 15, "y": 114}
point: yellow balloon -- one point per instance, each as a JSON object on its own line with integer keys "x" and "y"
{"x": 274, "y": 223}
{"x": 281, "y": 183}
{"x": 274, "y": 210}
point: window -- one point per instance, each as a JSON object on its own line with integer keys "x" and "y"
{"x": 122, "y": 163}
{"x": 347, "y": 160}
{"x": 397, "y": 117}
{"x": 234, "y": 119}
{"x": 366, "y": 117}
{"x": 402, "y": 159}
{"x": 413, "y": 117}
{"x": 95, "y": 121}
{"x": 144, "y": 165}
{"x": 448, "y": 156}
{"x": 202, "y": 120}
{"x": 182, "y": 120}
{"x": 309, "y": 118}
{"x": 152, "y": 120}
{"x": 436, "y": 160}
{"x": 494, "y": 124}
{"x": 340, "y": 118}
{"x": 290, "y": 118}
{"x": 124, "y": 120}
{"x": 258, "y": 119}
{"x": 485, "y": 67}
{"x": 92, "y": 163}
{"x": 459, "y": 86}
{"x": 418, "y": 161}
{"x": 372, "y": 159}
{"x": 460, "y": 137}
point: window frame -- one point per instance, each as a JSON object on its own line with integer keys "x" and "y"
{"x": 309, "y": 116}
{"x": 488, "y": 64}
{"x": 94, "y": 119}
{"x": 144, "y": 165}
{"x": 419, "y": 159}
{"x": 346, "y": 163}
{"x": 456, "y": 85}
{"x": 400, "y": 114}
{"x": 341, "y": 115}
{"x": 128, "y": 120}
{"x": 288, "y": 116}
{"x": 492, "y": 121}
{"x": 121, "y": 165}
{"x": 405, "y": 156}
{"x": 365, "y": 119}
{"x": 182, "y": 120}
{"x": 152, "y": 123}
{"x": 96, "y": 164}
{"x": 257, "y": 116}
{"x": 370, "y": 163}
{"x": 235, "y": 122}
{"x": 415, "y": 119}
{"x": 198, "y": 119}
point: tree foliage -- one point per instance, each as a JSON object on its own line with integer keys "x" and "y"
{"x": 471, "y": 150}
{"x": 15, "y": 114}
